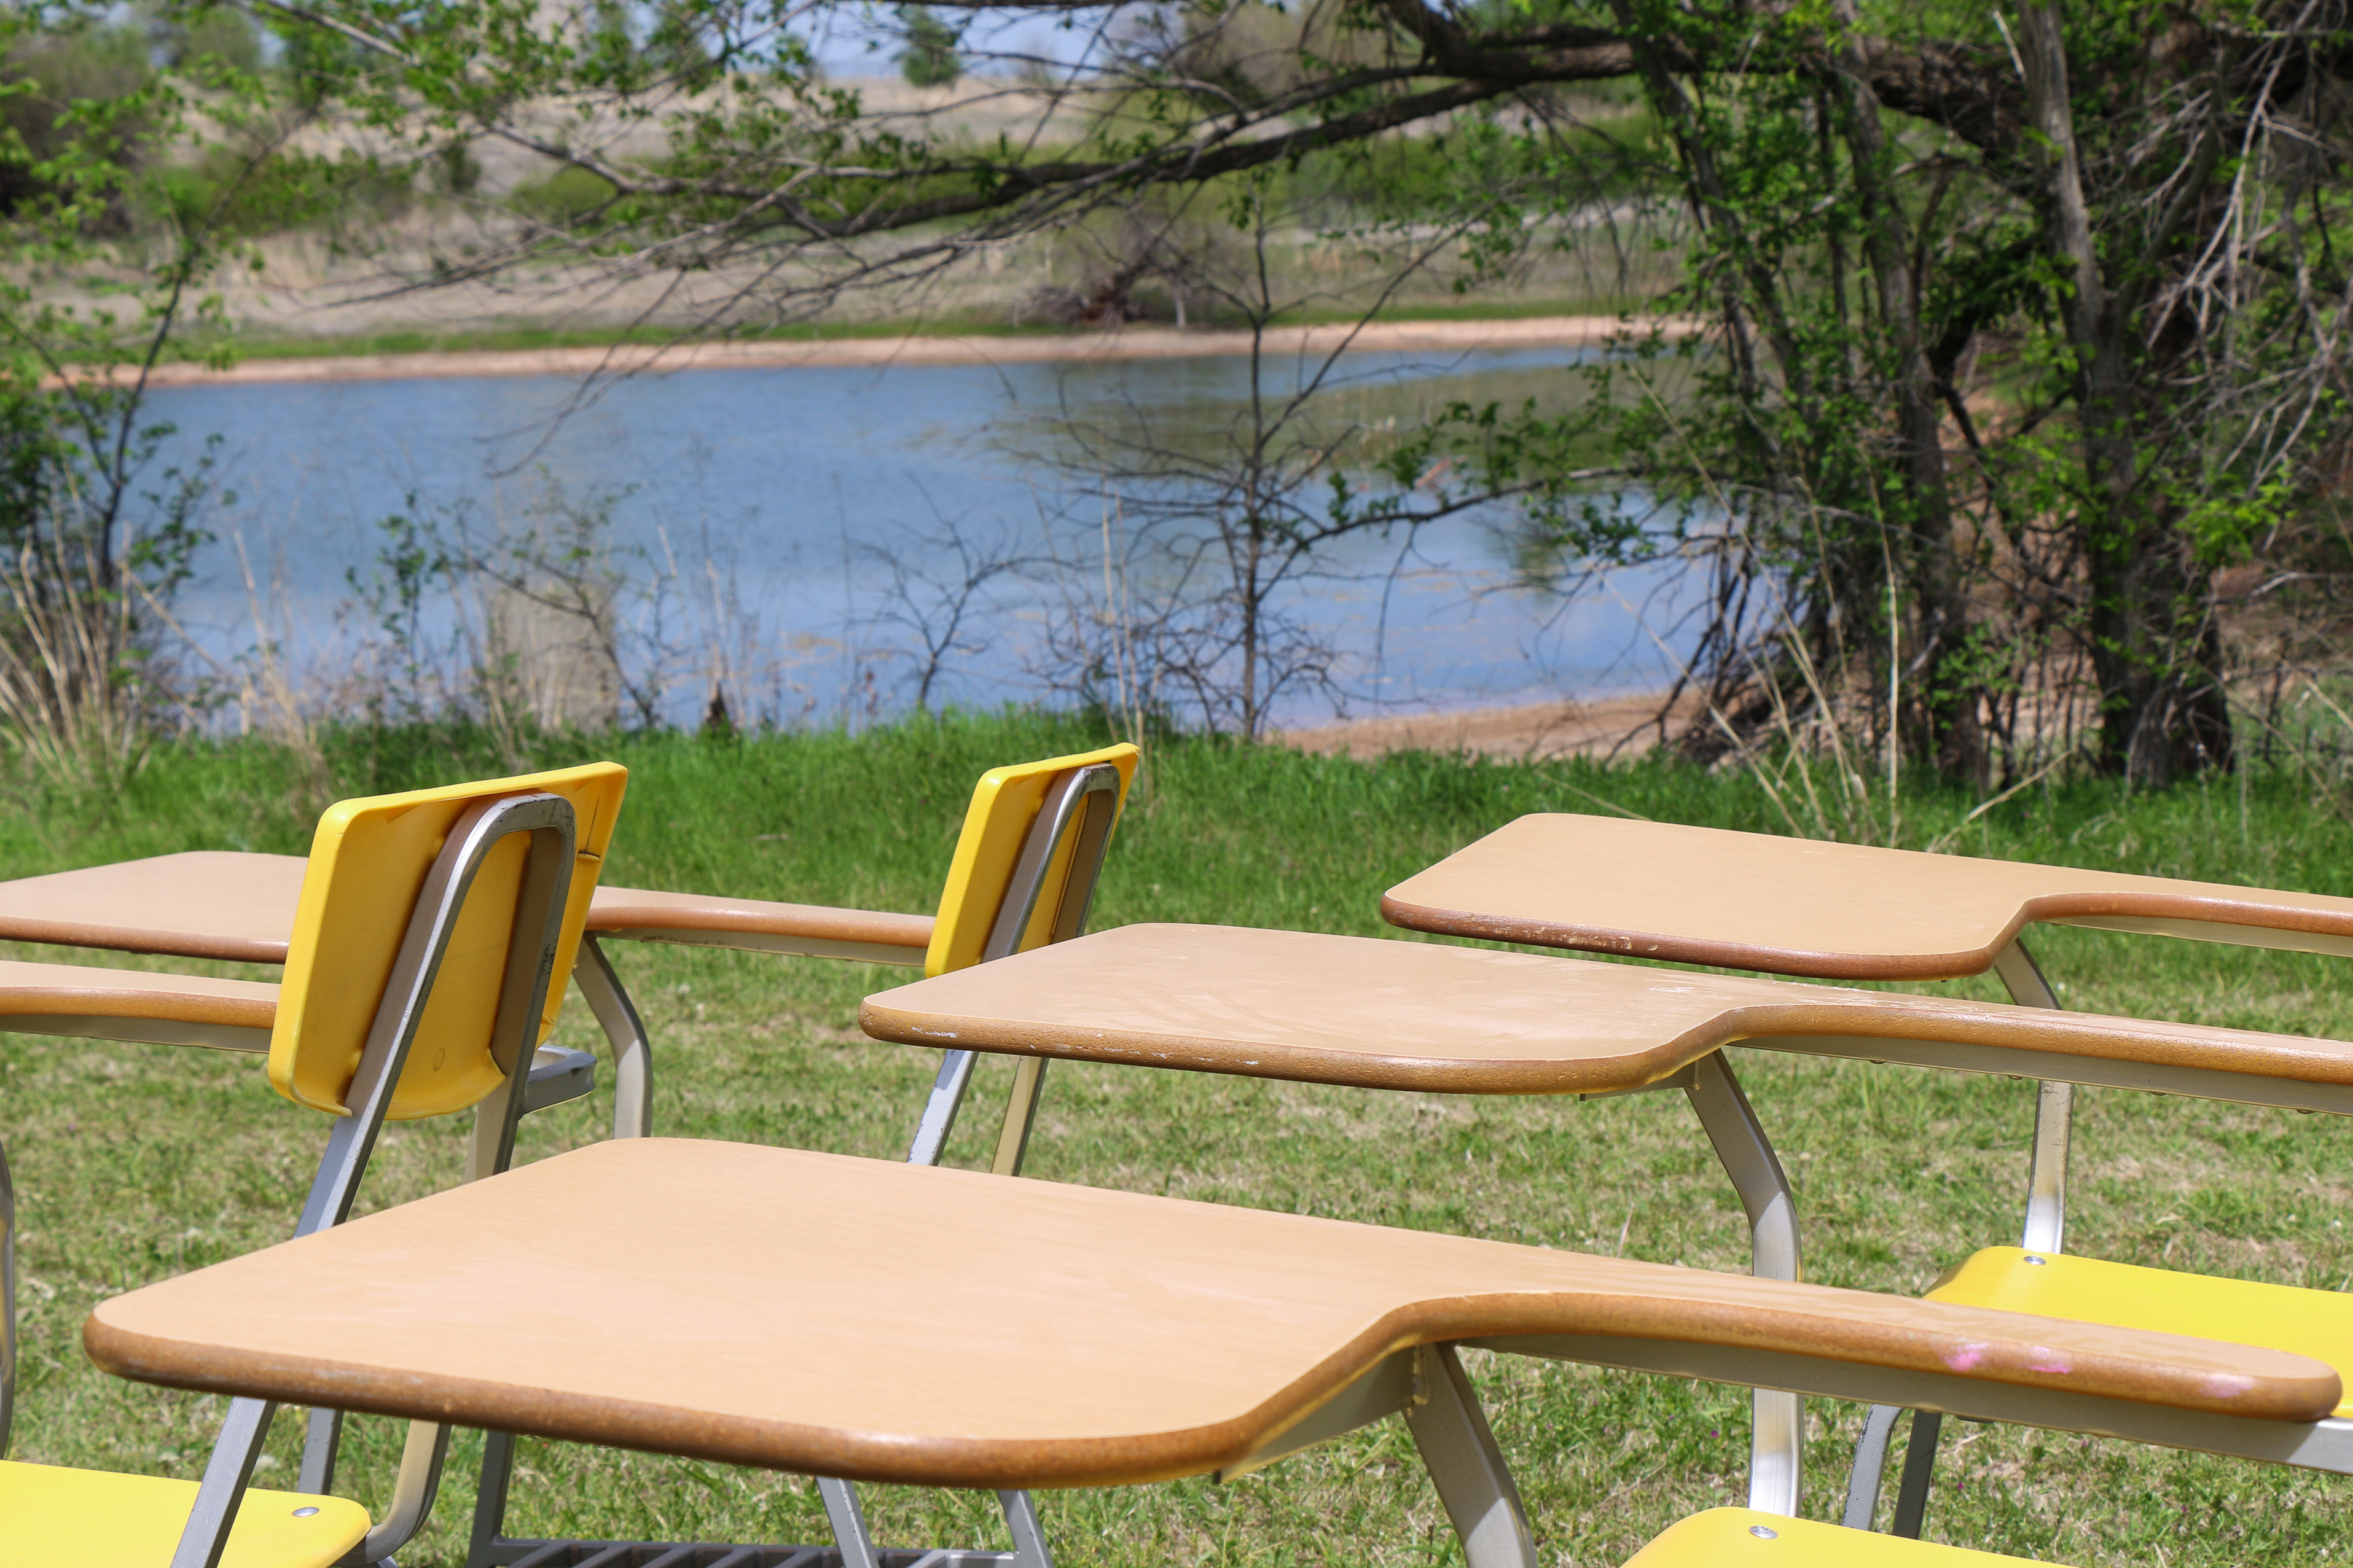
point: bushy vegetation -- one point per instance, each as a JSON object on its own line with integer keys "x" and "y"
{"x": 84, "y": 94}
{"x": 930, "y": 56}
{"x": 563, "y": 197}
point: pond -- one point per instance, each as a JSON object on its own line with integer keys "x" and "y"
{"x": 774, "y": 520}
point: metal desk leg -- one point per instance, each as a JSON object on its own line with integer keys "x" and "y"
{"x": 321, "y": 1439}
{"x": 413, "y": 1490}
{"x": 1030, "y": 1549}
{"x": 633, "y": 1088}
{"x": 1021, "y": 1115}
{"x": 228, "y": 1473}
{"x": 225, "y": 1476}
{"x": 2046, "y": 1190}
{"x": 940, "y": 1108}
{"x": 841, "y": 1510}
{"x": 633, "y": 1053}
{"x": 1870, "y": 1467}
{"x": 1870, "y": 1464}
{"x": 2054, "y": 1109}
{"x": 1458, "y": 1449}
{"x": 2045, "y": 1231}
{"x": 848, "y": 1522}
{"x": 1778, "y": 1441}
{"x": 1919, "y": 1467}
{"x": 1028, "y": 1536}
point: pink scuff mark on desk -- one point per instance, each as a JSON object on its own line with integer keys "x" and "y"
{"x": 1965, "y": 1359}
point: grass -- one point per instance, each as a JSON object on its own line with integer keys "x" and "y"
{"x": 135, "y": 1162}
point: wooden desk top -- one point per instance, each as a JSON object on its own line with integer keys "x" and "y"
{"x": 241, "y": 906}
{"x": 76, "y": 990}
{"x": 1795, "y": 906}
{"x": 202, "y": 904}
{"x": 1377, "y": 1013}
{"x": 636, "y": 910}
{"x": 881, "y": 1322}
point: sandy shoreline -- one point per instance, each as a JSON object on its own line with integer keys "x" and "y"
{"x": 1623, "y": 725}
{"x": 1127, "y": 343}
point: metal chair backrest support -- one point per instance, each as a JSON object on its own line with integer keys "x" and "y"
{"x": 1020, "y": 878}
{"x": 428, "y": 949}
{"x": 371, "y": 861}
{"x": 1023, "y": 874}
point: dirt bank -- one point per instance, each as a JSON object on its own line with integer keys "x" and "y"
{"x": 1626, "y": 725}
{"x": 1127, "y": 343}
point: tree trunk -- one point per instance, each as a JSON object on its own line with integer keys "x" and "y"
{"x": 1923, "y": 507}
{"x": 2157, "y": 653}
{"x": 2154, "y": 648}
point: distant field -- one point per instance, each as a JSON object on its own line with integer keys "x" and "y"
{"x": 135, "y": 1163}
{"x": 969, "y": 323}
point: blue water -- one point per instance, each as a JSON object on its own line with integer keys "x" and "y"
{"x": 767, "y": 505}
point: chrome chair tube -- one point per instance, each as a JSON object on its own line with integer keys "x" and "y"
{"x": 633, "y": 1050}
{"x": 2045, "y": 1231}
{"x": 1776, "y": 1441}
{"x": 226, "y": 1473}
{"x": 522, "y": 997}
{"x": 1086, "y": 800}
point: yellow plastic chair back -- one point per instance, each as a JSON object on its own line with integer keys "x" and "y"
{"x": 1004, "y": 807}
{"x": 368, "y": 864}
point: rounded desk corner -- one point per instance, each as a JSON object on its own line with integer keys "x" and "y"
{"x": 113, "y": 1349}
{"x": 892, "y": 1025}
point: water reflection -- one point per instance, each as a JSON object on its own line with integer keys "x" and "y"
{"x": 782, "y": 506}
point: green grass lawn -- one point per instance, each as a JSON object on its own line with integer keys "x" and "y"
{"x": 135, "y": 1163}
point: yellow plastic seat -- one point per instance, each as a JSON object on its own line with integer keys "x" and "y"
{"x": 2318, "y": 1323}
{"x": 1740, "y": 1538}
{"x": 56, "y": 1517}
